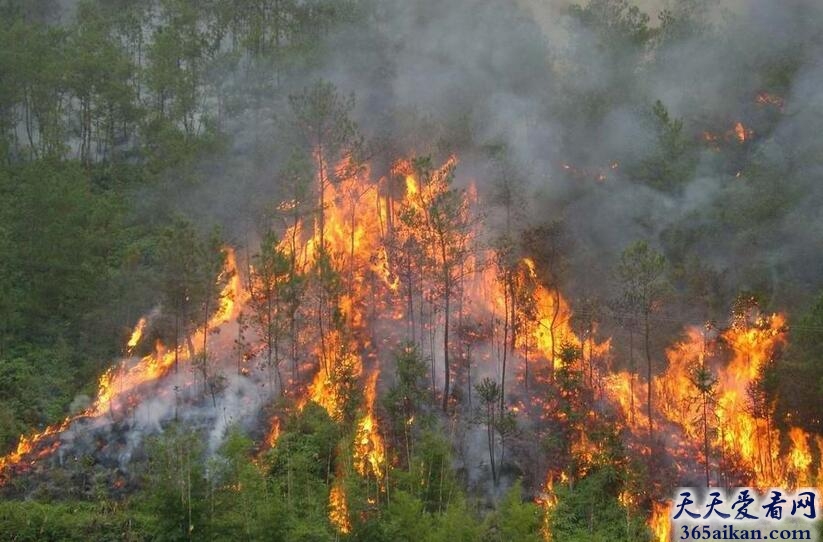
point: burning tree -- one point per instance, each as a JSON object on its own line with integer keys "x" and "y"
{"x": 506, "y": 263}
{"x": 322, "y": 118}
{"x": 296, "y": 179}
{"x": 641, "y": 274}
{"x": 268, "y": 301}
{"x": 705, "y": 384}
{"x": 440, "y": 215}
{"x": 761, "y": 395}
{"x": 508, "y": 194}
{"x": 547, "y": 244}
{"x": 191, "y": 285}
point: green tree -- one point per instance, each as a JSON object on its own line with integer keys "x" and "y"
{"x": 800, "y": 378}
{"x": 191, "y": 284}
{"x": 301, "y": 468}
{"x": 515, "y": 519}
{"x": 673, "y": 159}
{"x": 98, "y": 77}
{"x": 489, "y": 392}
{"x": 405, "y": 398}
{"x": 240, "y": 500}
{"x": 177, "y": 494}
{"x": 591, "y": 510}
{"x": 177, "y": 59}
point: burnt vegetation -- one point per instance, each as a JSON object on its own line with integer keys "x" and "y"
{"x": 385, "y": 270}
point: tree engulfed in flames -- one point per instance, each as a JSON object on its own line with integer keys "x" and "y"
{"x": 339, "y": 508}
{"x": 369, "y": 452}
{"x": 660, "y": 522}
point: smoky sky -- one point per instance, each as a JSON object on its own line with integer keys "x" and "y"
{"x": 465, "y": 76}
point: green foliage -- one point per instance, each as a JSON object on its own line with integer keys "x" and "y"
{"x": 617, "y": 21}
{"x": 241, "y": 496}
{"x": 515, "y": 519}
{"x": 63, "y": 246}
{"x": 798, "y": 376}
{"x": 36, "y": 385}
{"x": 270, "y": 288}
{"x": 27, "y": 521}
{"x": 191, "y": 279}
{"x": 405, "y": 399}
{"x": 430, "y": 476}
{"x": 176, "y": 485}
{"x": 591, "y": 511}
{"x": 672, "y": 161}
{"x": 407, "y": 395}
{"x": 642, "y": 269}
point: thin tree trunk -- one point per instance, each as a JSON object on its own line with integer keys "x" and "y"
{"x": 706, "y": 437}
{"x": 632, "y": 370}
{"x": 505, "y": 343}
{"x": 648, "y": 373}
{"x": 446, "y": 348}
{"x": 555, "y": 313}
{"x": 490, "y": 436}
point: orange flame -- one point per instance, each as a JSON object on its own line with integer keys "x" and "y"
{"x": 117, "y": 384}
{"x": 659, "y": 523}
{"x": 136, "y": 334}
{"x": 742, "y": 133}
{"x": 274, "y": 432}
{"x": 339, "y": 508}
{"x": 369, "y": 451}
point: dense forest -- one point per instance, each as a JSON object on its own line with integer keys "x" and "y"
{"x": 390, "y": 270}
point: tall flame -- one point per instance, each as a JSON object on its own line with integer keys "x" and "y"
{"x": 136, "y": 335}
{"x": 339, "y": 508}
{"x": 660, "y": 522}
{"x": 369, "y": 452}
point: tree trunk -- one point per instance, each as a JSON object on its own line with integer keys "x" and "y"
{"x": 505, "y": 343}
{"x": 446, "y": 367}
{"x": 490, "y": 435}
{"x": 632, "y": 370}
{"x": 322, "y": 185}
{"x": 555, "y": 313}
{"x": 706, "y": 436}
{"x": 647, "y": 331}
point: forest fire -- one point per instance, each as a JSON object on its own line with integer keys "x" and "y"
{"x": 119, "y": 385}
{"x": 136, "y": 335}
{"x": 383, "y": 250}
{"x": 766, "y": 99}
{"x": 660, "y": 522}
{"x": 463, "y": 270}
{"x": 739, "y": 133}
{"x": 338, "y": 508}
{"x": 742, "y": 133}
{"x": 369, "y": 451}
